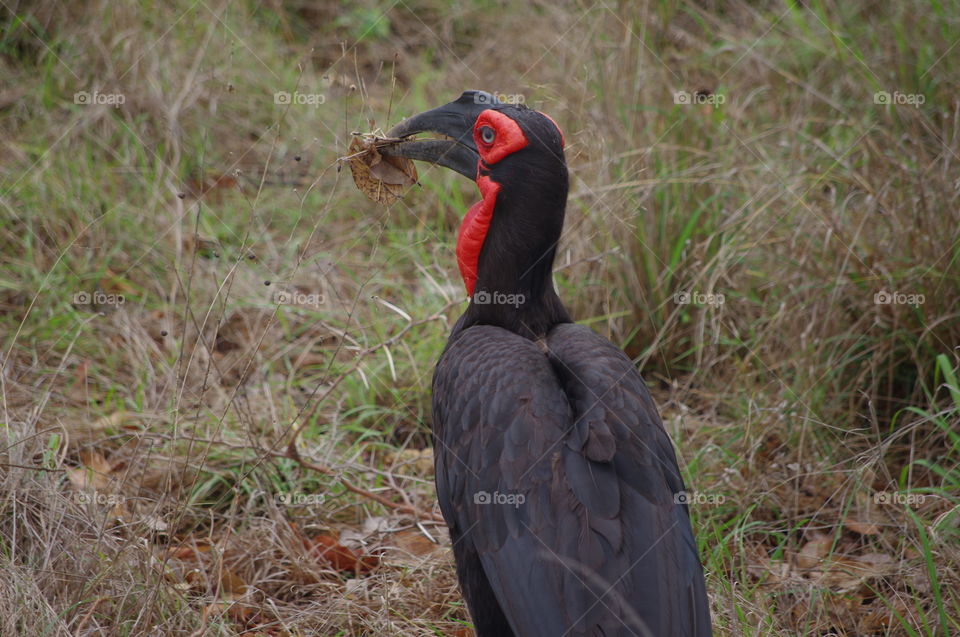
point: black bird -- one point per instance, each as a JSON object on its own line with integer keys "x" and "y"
{"x": 554, "y": 472}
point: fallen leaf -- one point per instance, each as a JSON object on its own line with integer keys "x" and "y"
{"x": 96, "y": 461}
{"x": 414, "y": 542}
{"x": 847, "y": 573}
{"x": 341, "y": 558}
{"x": 189, "y": 550}
{"x": 230, "y": 582}
{"x": 862, "y": 527}
{"x": 877, "y": 564}
{"x": 813, "y": 552}
{"x": 94, "y": 473}
{"x": 881, "y": 615}
{"x": 113, "y": 421}
{"x": 760, "y": 565}
{"x": 84, "y": 433}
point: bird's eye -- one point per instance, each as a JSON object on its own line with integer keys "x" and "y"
{"x": 487, "y": 134}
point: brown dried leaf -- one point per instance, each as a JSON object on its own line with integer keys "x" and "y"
{"x": 93, "y": 474}
{"x": 877, "y": 564}
{"x": 393, "y": 170}
{"x": 119, "y": 511}
{"x": 82, "y": 433}
{"x": 847, "y": 573}
{"x": 840, "y": 573}
{"x": 762, "y": 567}
{"x": 813, "y": 552}
{"x": 863, "y": 527}
{"x": 230, "y": 582}
{"x": 881, "y": 616}
{"x": 340, "y": 557}
{"x": 381, "y": 179}
{"x": 112, "y": 421}
{"x": 414, "y": 542}
{"x": 95, "y": 460}
{"x": 191, "y": 549}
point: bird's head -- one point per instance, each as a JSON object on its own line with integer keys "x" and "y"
{"x": 485, "y": 135}
{"x": 507, "y": 241}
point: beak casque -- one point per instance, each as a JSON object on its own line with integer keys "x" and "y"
{"x": 455, "y": 120}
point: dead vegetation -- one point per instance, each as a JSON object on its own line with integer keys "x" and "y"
{"x": 216, "y": 354}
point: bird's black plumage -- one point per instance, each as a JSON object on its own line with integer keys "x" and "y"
{"x": 554, "y": 471}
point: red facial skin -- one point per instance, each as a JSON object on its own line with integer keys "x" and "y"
{"x": 509, "y": 138}
{"x": 473, "y": 230}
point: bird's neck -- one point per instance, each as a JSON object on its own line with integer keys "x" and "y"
{"x": 513, "y": 249}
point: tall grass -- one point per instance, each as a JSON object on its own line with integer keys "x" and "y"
{"x": 745, "y": 201}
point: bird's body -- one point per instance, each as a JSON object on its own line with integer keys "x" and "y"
{"x": 554, "y": 471}
{"x": 558, "y": 481}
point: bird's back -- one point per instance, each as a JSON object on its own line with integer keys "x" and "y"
{"x": 560, "y": 486}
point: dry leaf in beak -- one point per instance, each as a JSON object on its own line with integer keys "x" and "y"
{"x": 380, "y": 178}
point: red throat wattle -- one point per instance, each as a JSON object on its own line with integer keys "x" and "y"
{"x": 509, "y": 138}
{"x": 473, "y": 231}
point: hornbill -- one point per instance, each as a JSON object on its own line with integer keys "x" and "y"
{"x": 554, "y": 472}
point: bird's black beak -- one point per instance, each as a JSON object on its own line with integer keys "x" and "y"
{"x": 455, "y": 120}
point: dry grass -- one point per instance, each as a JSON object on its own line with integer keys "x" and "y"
{"x": 146, "y": 474}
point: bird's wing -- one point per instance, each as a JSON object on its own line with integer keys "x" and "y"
{"x": 557, "y": 470}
